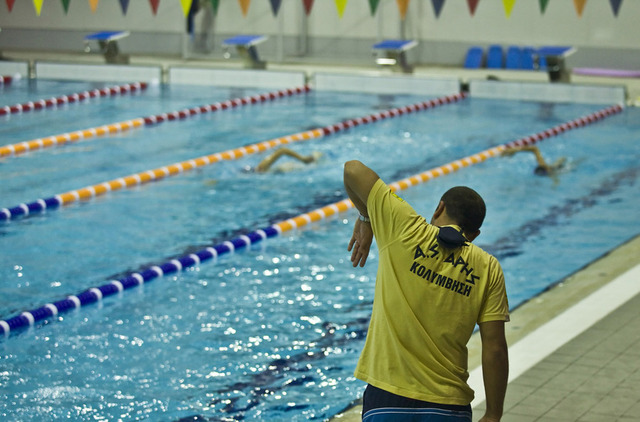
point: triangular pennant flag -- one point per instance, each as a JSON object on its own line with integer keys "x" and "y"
{"x": 124, "y": 4}
{"x": 508, "y": 7}
{"x": 543, "y": 5}
{"x": 579, "y": 4}
{"x": 308, "y": 5}
{"x": 154, "y": 6}
{"x": 94, "y": 5}
{"x": 437, "y": 6}
{"x": 186, "y": 5}
{"x": 275, "y": 6}
{"x": 340, "y": 5}
{"x": 10, "y": 4}
{"x": 38, "y": 6}
{"x": 403, "y": 5}
{"x": 244, "y": 5}
{"x": 373, "y": 5}
{"x": 472, "y": 6}
{"x": 65, "y": 6}
{"x": 215, "y": 4}
{"x": 615, "y": 6}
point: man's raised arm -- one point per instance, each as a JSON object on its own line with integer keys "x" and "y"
{"x": 358, "y": 181}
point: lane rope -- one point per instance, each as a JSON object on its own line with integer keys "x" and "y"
{"x": 95, "y": 294}
{"x": 7, "y": 80}
{"x": 137, "y": 179}
{"x": 224, "y": 105}
{"x": 496, "y": 151}
{"x": 57, "y": 140}
{"x": 72, "y": 98}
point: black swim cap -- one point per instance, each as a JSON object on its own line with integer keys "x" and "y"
{"x": 540, "y": 171}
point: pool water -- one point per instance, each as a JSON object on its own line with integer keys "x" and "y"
{"x": 273, "y": 332}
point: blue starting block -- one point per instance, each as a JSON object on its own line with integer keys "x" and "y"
{"x": 246, "y": 47}
{"x": 392, "y": 53}
{"x": 108, "y": 42}
{"x": 554, "y": 57}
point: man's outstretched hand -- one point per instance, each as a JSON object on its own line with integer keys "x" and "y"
{"x": 360, "y": 243}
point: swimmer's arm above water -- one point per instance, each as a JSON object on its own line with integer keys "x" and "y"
{"x": 358, "y": 181}
{"x": 268, "y": 162}
{"x": 530, "y": 148}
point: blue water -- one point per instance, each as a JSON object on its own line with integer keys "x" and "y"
{"x": 272, "y": 333}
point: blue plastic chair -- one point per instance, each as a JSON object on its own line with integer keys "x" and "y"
{"x": 495, "y": 57}
{"x": 542, "y": 63}
{"x": 514, "y": 58}
{"x": 528, "y": 58}
{"x": 474, "y": 57}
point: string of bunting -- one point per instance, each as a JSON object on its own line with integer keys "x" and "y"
{"x": 189, "y": 6}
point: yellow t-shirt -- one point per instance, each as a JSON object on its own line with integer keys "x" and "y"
{"x": 427, "y": 302}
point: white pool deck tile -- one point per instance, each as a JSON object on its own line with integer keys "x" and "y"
{"x": 582, "y": 365}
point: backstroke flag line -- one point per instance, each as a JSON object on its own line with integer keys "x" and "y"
{"x": 508, "y": 7}
{"x": 37, "y": 4}
{"x": 403, "y": 5}
{"x": 579, "y": 5}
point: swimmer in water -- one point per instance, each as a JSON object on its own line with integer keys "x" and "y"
{"x": 268, "y": 162}
{"x": 543, "y": 168}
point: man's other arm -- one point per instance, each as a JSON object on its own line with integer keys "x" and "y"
{"x": 495, "y": 368}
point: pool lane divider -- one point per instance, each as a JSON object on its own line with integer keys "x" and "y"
{"x": 89, "y": 192}
{"x": 72, "y": 98}
{"x": 173, "y": 266}
{"x": 7, "y": 80}
{"x": 56, "y": 140}
{"x": 496, "y": 151}
{"x": 255, "y": 99}
{"x": 451, "y": 167}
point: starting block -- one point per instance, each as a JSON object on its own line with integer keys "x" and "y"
{"x": 108, "y": 42}
{"x": 246, "y": 47}
{"x": 392, "y": 53}
{"x": 554, "y": 57}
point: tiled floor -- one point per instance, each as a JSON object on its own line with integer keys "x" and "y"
{"x": 593, "y": 377}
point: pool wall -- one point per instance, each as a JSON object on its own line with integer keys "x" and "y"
{"x": 365, "y": 83}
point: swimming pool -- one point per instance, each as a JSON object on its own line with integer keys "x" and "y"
{"x": 273, "y": 332}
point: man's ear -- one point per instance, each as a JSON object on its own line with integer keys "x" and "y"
{"x": 471, "y": 236}
{"x": 438, "y": 212}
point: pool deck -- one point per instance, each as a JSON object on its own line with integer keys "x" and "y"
{"x": 575, "y": 349}
{"x": 215, "y": 60}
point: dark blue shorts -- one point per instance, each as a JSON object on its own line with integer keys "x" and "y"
{"x": 381, "y": 406}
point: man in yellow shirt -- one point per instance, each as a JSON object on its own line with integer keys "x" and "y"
{"x": 432, "y": 287}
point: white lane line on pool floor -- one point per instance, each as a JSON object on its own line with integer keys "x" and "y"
{"x": 548, "y": 338}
